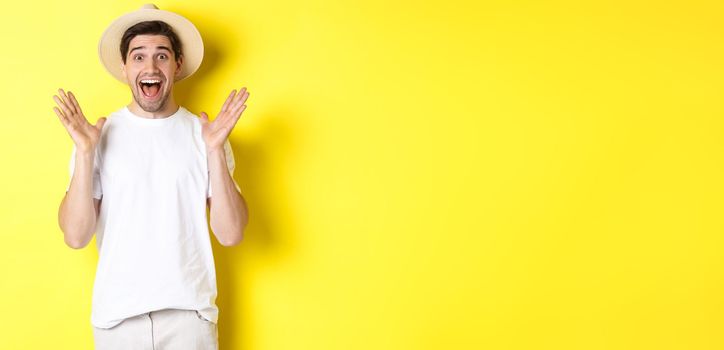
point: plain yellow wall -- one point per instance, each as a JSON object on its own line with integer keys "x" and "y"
{"x": 419, "y": 174}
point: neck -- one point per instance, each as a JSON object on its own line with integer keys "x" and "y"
{"x": 169, "y": 108}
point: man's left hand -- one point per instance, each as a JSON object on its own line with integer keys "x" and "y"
{"x": 216, "y": 132}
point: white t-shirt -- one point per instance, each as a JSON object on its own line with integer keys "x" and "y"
{"x": 153, "y": 240}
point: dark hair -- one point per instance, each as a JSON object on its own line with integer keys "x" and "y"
{"x": 151, "y": 28}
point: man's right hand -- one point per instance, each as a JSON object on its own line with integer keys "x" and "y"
{"x": 84, "y": 135}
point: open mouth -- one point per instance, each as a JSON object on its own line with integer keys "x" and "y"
{"x": 150, "y": 88}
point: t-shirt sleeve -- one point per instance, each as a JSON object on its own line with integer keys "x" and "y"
{"x": 230, "y": 164}
{"x": 96, "y": 187}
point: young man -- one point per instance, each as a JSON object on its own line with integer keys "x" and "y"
{"x": 141, "y": 179}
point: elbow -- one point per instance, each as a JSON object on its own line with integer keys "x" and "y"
{"x": 74, "y": 238}
{"x": 229, "y": 234}
{"x": 75, "y": 243}
{"x": 77, "y": 230}
{"x": 232, "y": 240}
{"x": 231, "y": 237}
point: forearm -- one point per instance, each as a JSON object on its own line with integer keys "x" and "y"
{"x": 77, "y": 214}
{"x": 228, "y": 212}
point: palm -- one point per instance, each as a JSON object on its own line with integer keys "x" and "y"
{"x": 84, "y": 135}
{"x": 215, "y": 133}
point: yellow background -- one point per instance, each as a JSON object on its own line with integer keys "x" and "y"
{"x": 419, "y": 174}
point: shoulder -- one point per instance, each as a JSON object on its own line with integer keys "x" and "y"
{"x": 118, "y": 113}
{"x": 191, "y": 122}
{"x": 186, "y": 115}
{"x": 115, "y": 116}
{"x": 111, "y": 119}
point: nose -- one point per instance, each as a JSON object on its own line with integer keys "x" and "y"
{"x": 150, "y": 65}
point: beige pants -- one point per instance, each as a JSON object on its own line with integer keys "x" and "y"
{"x": 167, "y": 329}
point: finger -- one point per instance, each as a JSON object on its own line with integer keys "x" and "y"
{"x": 239, "y": 100}
{"x": 204, "y": 117}
{"x": 62, "y": 105}
{"x": 242, "y": 100}
{"x": 74, "y": 102}
{"x": 238, "y": 115}
{"x": 58, "y": 101}
{"x": 236, "y": 110}
{"x": 61, "y": 94}
{"x": 245, "y": 97}
{"x": 62, "y": 118}
{"x": 228, "y": 100}
{"x": 100, "y": 122}
{"x": 69, "y": 102}
{"x": 66, "y": 100}
{"x": 241, "y": 94}
{"x": 234, "y": 116}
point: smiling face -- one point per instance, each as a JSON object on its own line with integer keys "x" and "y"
{"x": 151, "y": 70}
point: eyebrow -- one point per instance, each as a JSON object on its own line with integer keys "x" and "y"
{"x": 143, "y": 47}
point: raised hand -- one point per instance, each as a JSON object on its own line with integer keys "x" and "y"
{"x": 216, "y": 132}
{"x": 84, "y": 135}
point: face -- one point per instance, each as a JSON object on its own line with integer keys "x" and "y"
{"x": 150, "y": 71}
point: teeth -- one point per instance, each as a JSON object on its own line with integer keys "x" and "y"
{"x": 150, "y": 81}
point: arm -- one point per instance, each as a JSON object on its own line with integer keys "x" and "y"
{"x": 78, "y": 210}
{"x": 77, "y": 233}
{"x": 228, "y": 210}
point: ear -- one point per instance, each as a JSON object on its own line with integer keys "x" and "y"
{"x": 179, "y": 65}
{"x": 123, "y": 70}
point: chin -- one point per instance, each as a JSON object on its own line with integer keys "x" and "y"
{"x": 151, "y": 106}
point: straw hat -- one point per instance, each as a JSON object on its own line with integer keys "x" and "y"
{"x": 191, "y": 42}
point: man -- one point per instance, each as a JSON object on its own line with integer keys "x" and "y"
{"x": 142, "y": 180}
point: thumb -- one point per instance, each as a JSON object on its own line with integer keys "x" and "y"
{"x": 99, "y": 124}
{"x": 204, "y": 118}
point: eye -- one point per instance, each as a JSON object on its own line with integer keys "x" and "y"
{"x": 137, "y": 57}
{"x": 162, "y": 56}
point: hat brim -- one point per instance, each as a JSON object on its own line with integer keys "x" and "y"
{"x": 109, "y": 46}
